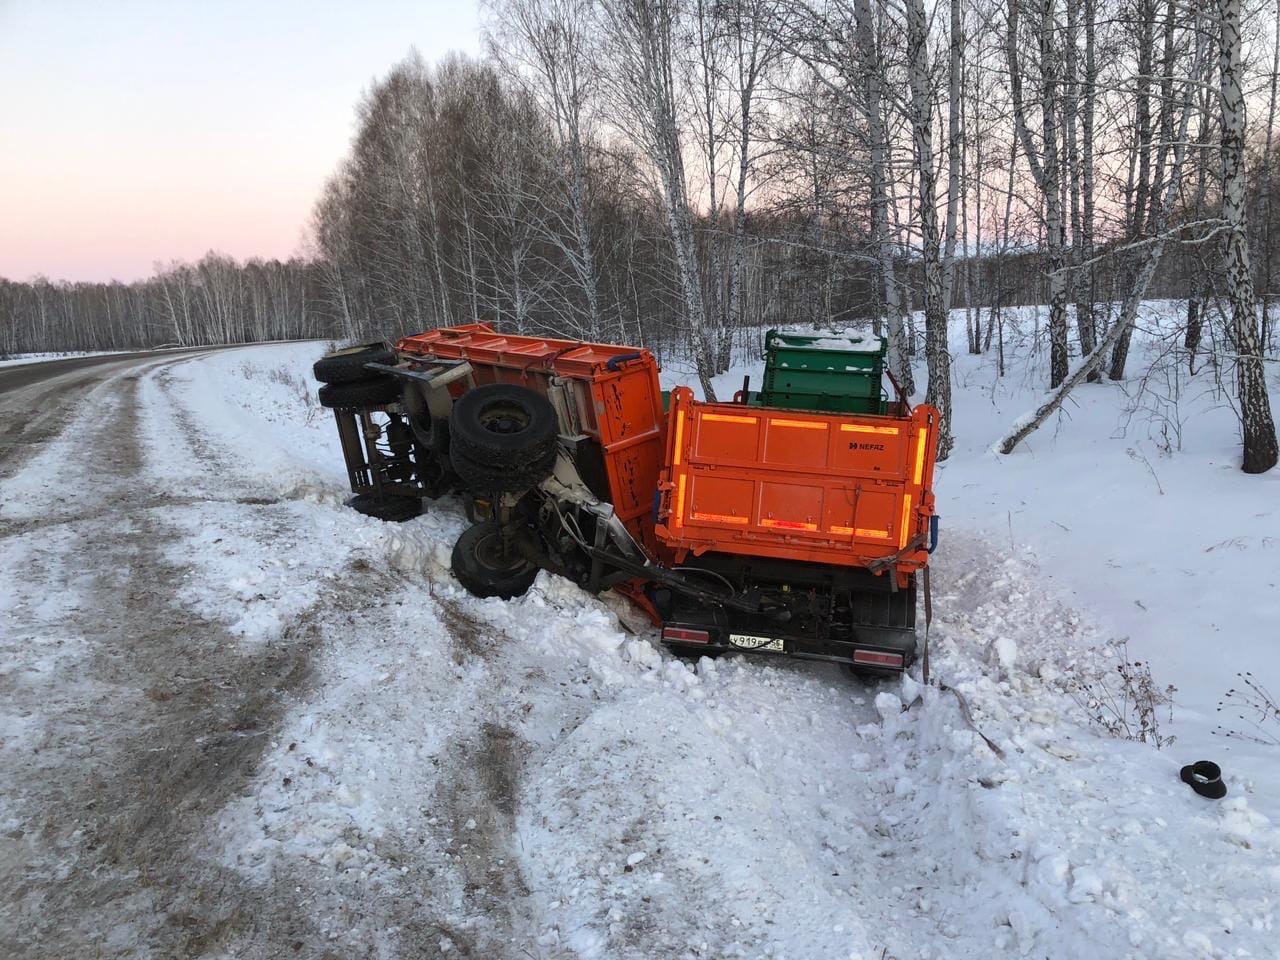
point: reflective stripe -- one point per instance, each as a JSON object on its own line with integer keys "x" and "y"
{"x": 877, "y": 658}
{"x": 725, "y": 418}
{"x": 861, "y": 428}
{"x": 905, "y": 533}
{"x": 788, "y": 524}
{"x": 919, "y": 459}
{"x": 678, "y": 519}
{"x": 718, "y": 517}
{"x": 688, "y": 636}
{"x": 862, "y": 532}
{"x": 800, "y": 424}
{"x": 675, "y": 453}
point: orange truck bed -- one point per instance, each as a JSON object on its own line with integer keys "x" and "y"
{"x": 842, "y": 489}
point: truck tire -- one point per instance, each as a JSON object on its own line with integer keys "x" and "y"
{"x": 372, "y": 392}
{"x": 481, "y": 478}
{"x": 506, "y": 428}
{"x": 347, "y": 365}
{"x": 481, "y": 568}
{"x": 392, "y": 509}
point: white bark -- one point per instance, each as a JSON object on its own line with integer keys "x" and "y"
{"x": 641, "y": 35}
{"x": 937, "y": 351}
{"x": 1045, "y": 171}
{"x": 955, "y": 136}
{"x": 871, "y": 69}
{"x": 1260, "y": 451}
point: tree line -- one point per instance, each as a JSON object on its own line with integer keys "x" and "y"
{"x": 213, "y": 301}
{"x": 684, "y": 172}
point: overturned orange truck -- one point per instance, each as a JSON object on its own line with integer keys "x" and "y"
{"x": 791, "y": 521}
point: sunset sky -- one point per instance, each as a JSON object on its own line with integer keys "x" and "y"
{"x": 138, "y": 131}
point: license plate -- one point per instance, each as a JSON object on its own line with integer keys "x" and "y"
{"x": 749, "y": 641}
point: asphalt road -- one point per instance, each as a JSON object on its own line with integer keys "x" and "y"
{"x": 20, "y": 375}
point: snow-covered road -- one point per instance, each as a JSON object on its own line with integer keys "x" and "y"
{"x": 238, "y": 719}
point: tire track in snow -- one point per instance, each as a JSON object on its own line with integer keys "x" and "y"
{"x": 158, "y": 721}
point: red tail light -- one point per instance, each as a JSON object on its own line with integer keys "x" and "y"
{"x": 685, "y": 635}
{"x": 874, "y": 658}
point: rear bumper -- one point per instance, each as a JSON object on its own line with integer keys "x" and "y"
{"x": 874, "y": 649}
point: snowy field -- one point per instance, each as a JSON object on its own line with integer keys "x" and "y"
{"x": 411, "y": 772}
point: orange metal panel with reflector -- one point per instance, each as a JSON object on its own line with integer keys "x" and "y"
{"x": 843, "y": 489}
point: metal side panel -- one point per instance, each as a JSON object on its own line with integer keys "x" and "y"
{"x": 831, "y": 488}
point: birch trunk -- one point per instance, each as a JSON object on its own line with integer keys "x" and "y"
{"x": 1085, "y": 310}
{"x": 937, "y": 352}
{"x": 1071, "y": 117}
{"x": 872, "y": 71}
{"x": 709, "y": 72}
{"x": 1199, "y": 282}
{"x": 1051, "y": 187}
{"x": 1046, "y": 174}
{"x": 955, "y": 53}
{"x": 755, "y": 49}
{"x": 1141, "y": 193}
{"x": 642, "y": 34}
{"x": 1264, "y": 202}
{"x": 1260, "y": 452}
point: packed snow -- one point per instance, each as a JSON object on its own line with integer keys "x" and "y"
{"x": 539, "y": 778}
{"x": 826, "y": 340}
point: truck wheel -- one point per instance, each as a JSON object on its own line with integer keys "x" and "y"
{"x": 392, "y": 509}
{"x": 506, "y": 428}
{"x": 372, "y": 392}
{"x": 347, "y": 365}
{"x": 481, "y": 478}
{"x": 482, "y": 567}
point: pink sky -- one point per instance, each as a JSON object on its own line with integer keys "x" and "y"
{"x": 140, "y": 131}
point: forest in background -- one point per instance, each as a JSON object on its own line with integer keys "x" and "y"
{"x": 682, "y": 173}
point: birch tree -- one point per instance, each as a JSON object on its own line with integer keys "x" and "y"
{"x": 1264, "y": 204}
{"x": 955, "y": 146}
{"x": 640, "y": 75}
{"x": 1044, "y": 166}
{"x": 871, "y": 67}
{"x": 753, "y": 40}
{"x": 937, "y": 351}
{"x": 550, "y": 39}
{"x": 1260, "y": 452}
{"x": 1149, "y": 250}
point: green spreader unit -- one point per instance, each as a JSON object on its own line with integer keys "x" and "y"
{"x": 838, "y": 373}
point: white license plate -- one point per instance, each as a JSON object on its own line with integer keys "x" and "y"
{"x": 749, "y": 641}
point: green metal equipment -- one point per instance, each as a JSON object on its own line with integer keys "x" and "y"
{"x": 829, "y": 372}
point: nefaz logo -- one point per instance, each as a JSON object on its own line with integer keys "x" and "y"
{"x": 854, "y": 445}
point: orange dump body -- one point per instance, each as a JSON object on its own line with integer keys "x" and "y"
{"x": 843, "y": 489}
{"x": 613, "y": 398}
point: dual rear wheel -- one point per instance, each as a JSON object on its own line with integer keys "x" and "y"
{"x": 348, "y": 385}
{"x": 500, "y": 439}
